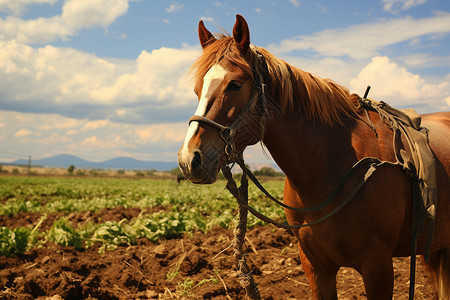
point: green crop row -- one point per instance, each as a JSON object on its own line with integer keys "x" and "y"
{"x": 46, "y": 195}
{"x": 187, "y": 208}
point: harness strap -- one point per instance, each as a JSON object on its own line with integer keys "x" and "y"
{"x": 374, "y": 163}
{"x": 371, "y": 160}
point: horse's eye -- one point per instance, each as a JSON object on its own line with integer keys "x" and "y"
{"x": 234, "y": 86}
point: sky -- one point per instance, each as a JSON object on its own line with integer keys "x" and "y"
{"x": 107, "y": 78}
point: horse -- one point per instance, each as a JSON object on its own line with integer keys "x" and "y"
{"x": 180, "y": 177}
{"x": 315, "y": 130}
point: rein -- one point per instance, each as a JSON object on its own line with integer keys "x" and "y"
{"x": 370, "y": 164}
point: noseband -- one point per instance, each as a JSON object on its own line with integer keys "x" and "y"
{"x": 228, "y": 133}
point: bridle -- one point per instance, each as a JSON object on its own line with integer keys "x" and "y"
{"x": 258, "y": 96}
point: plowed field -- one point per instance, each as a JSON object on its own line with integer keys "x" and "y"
{"x": 194, "y": 265}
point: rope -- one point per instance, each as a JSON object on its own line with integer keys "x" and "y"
{"x": 241, "y": 194}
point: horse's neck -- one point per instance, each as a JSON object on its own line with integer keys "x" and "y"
{"x": 312, "y": 155}
{"x": 315, "y": 156}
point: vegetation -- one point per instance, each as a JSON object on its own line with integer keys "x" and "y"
{"x": 70, "y": 169}
{"x": 268, "y": 172}
{"x": 181, "y": 209}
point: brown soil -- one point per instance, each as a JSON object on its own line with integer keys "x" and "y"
{"x": 197, "y": 266}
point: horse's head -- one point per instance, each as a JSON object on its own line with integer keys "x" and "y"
{"x": 227, "y": 118}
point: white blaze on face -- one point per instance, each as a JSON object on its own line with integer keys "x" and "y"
{"x": 216, "y": 72}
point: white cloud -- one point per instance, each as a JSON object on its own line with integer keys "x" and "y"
{"x": 58, "y": 74}
{"x": 208, "y": 19}
{"x": 109, "y": 142}
{"x": 17, "y": 7}
{"x": 296, "y": 3}
{"x": 174, "y": 8}
{"x": 363, "y": 41}
{"x": 395, "y": 6}
{"x": 42, "y": 137}
{"x": 358, "y": 62}
{"x": 425, "y": 60}
{"x": 395, "y": 85}
{"x": 76, "y": 15}
{"x": 61, "y": 78}
{"x": 22, "y": 133}
{"x": 72, "y": 132}
{"x": 93, "y": 125}
{"x": 162, "y": 133}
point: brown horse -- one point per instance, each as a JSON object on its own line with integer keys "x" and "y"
{"x": 316, "y": 131}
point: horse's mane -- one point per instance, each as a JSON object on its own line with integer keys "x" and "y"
{"x": 316, "y": 98}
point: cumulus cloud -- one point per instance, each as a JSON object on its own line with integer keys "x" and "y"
{"x": 166, "y": 133}
{"x": 159, "y": 74}
{"x": 42, "y": 136}
{"x": 81, "y": 85}
{"x": 76, "y": 15}
{"x": 364, "y": 41}
{"x": 53, "y": 76}
{"x": 395, "y": 85}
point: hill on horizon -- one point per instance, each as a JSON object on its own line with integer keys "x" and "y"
{"x": 126, "y": 163}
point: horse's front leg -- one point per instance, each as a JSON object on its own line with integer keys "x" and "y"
{"x": 378, "y": 274}
{"x": 321, "y": 275}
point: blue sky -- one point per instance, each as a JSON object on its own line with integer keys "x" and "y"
{"x": 107, "y": 78}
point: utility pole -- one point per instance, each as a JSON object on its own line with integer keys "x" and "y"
{"x": 29, "y": 165}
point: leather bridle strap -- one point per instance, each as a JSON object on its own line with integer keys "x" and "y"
{"x": 209, "y": 122}
{"x": 257, "y": 95}
{"x": 224, "y": 131}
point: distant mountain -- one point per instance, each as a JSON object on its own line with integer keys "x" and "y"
{"x": 126, "y": 163}
{"x": 134, "y": 164}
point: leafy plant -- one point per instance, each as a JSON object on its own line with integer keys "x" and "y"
{"x": 111, "y": 235}
{"x": 62, "y": 233}
{"x": 13, "y": 241}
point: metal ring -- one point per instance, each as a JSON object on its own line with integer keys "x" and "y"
{"x": 228, "y": 149}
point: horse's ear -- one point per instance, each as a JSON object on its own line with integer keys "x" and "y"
{"x": 204, "y": 35}
{"x": 241, "y": 34}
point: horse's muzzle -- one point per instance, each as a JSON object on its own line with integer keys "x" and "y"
{"x": 198, "y": 167}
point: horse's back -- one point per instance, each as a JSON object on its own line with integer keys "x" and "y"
{"x": 438, "y": 125}
{"x": 440, "y": 119}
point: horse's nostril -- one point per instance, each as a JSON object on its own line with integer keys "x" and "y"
{"x": 196, "y": 161}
